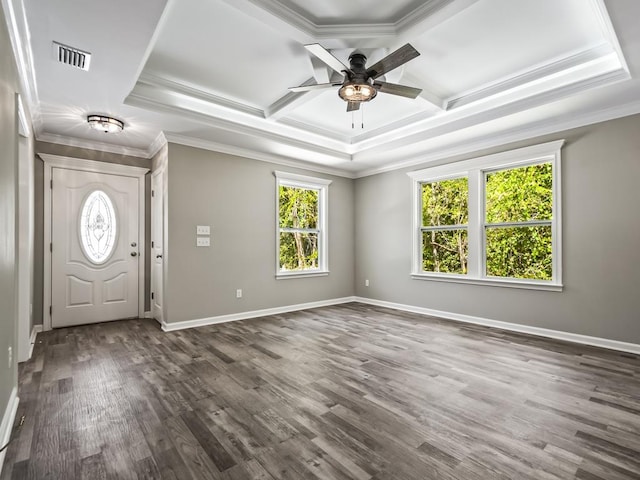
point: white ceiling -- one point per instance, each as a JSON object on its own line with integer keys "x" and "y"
{"x": 216, "y": 73}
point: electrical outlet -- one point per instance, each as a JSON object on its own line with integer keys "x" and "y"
{"x": 203, "y": 242}
{"x": 10, "y": 350}
{"x": 203, "y": 230}
{"x": 239, "y": 293}
{"x": 366, "y": 282}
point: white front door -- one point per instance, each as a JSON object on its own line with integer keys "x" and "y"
{"x": 95, "y": 247}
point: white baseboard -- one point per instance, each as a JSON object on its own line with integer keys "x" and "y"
{"x": 200, "y": 322}
{"x": 32, "y": 340}
{"x": 7, "y": 422}
{"x": 514, "y": 327}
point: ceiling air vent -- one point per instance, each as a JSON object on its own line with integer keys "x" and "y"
{"x": 71, "y": 56}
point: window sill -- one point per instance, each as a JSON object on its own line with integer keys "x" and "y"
{"x": 491, "y": 282}
{"x": 313, "y": 273}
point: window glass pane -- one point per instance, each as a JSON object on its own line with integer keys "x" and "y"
{"x": 519, "y": 194}
{"x": 520, "y": 252}
{"x": 298, "y": 251}
{"x": 445, "y": 251}
{"x": 445, "y": 202}
{"x": 98, "y": 227}
{"x": 298, "y": 207}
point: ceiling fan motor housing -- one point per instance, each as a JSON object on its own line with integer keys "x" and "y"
{"x": 357, "y": 86}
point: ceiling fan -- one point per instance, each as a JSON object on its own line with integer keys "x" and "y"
{"x": 359, "y": 84}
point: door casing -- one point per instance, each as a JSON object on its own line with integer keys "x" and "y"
{"x": 55, "y": 161}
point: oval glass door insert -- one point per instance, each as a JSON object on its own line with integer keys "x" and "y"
{"x": 98, "y": 227}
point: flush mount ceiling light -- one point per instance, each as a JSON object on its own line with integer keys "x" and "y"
{"x": 105, "y": 124}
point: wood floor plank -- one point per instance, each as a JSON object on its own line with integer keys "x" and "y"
{"x": 345, "y": 392}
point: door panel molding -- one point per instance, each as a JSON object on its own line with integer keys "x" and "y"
{"x": 70, "y": 163}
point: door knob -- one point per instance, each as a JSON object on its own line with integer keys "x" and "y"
{"x": 134, "y": 254}
{"x": 158, "y": 256}
{"x": 134, "y": 244}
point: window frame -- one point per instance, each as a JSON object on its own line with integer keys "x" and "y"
{"x": 309, "y": 183}
{"x": 475, "y": 170}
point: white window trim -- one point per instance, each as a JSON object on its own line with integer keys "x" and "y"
{"x": 475, "y": 169}
{"x": 315, "y": 183}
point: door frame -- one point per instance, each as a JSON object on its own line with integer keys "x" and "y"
{"x": 158, "y": 187}
{"x": 70, "y": 163}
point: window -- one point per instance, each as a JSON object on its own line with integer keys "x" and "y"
{"x": 491, "y": 220}
{"x": 98, "y": 227}
{"x": 301, "y": 240}
{"x": 444, "y": 226}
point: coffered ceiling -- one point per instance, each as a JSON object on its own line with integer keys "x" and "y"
{"x": 216, "y": 74}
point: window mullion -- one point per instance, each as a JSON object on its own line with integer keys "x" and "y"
{"x": 475, "y": 261}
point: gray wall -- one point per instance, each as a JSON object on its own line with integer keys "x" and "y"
{"x": 236, "y": 196}
{"x": 87, "y": 154}
{"x": 601, "y": 245}
{"x": 8, "y": 181}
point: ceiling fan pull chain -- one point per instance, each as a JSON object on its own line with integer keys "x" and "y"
{"x": 362, "y": 117}
{"x": 353, "y": 114}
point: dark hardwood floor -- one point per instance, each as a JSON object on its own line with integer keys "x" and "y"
{"x": 345, "y": 392}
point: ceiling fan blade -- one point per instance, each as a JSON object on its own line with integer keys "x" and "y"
{"x": 395, "y": 89}
{"x": 326, "y": 56}
{"x": 318, "y": 86}
{"x": 351, "y": 106}
{"x": 393, "y": 60}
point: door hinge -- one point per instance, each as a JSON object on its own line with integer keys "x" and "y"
{"x": 51, "y": 184}
{"x": 151, "y": 243}
{"x": 152, "y": 295}
{"x": 153, "y": 193}
{"x": 51, "y": 247}
{"x": 50, "y": 310}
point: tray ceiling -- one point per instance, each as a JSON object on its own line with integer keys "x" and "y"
{"x": 216, "y": 73}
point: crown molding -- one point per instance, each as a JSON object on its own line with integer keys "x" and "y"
{"x": 93, "y": 145}
{"x": 535, "y": 74}
{"x": 530, "y": 131}
{"x": 254, "y": 154}
{"x": 195, "y": 93}
{"x": 425, "y": 15}
{"x": 157, "y": 144}
{"x": 19, "y": 37}
{"x": 157, "y": 103}
{"x": 531, "y": 96}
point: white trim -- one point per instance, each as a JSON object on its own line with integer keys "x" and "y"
{"x": 56, "y": 161}
{"x": 475, "y": 170}
{"x": 509, "y": 158}
{"x": 489, "y": 281}
{"x": 512, "y": 327}
{"x": 92, "y": 145}
{"x": 310, "y": 183}
{"x": 526, "y": 132}
{"x": 301, "y": 274}
{"x": 254, "y": 155}
{"x": 201, "y": 322}
{"x": 72, "y": 163}
{"x": 8, "y": 419}
{"x": 34, "y": 336}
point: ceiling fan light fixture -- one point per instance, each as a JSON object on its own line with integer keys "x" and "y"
{"x": 357, "y": 92}
{"x": 105, "y": 124}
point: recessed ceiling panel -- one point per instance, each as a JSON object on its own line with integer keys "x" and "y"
{"x": 354, "y": 12}
{"x": 493, "y": 40}
{"x": 214, "y": 47}
{"x": 327, "y": 111}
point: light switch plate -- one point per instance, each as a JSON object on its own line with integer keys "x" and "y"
{"x": 203, "y": 242}
{"x": 203, "y": 230}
